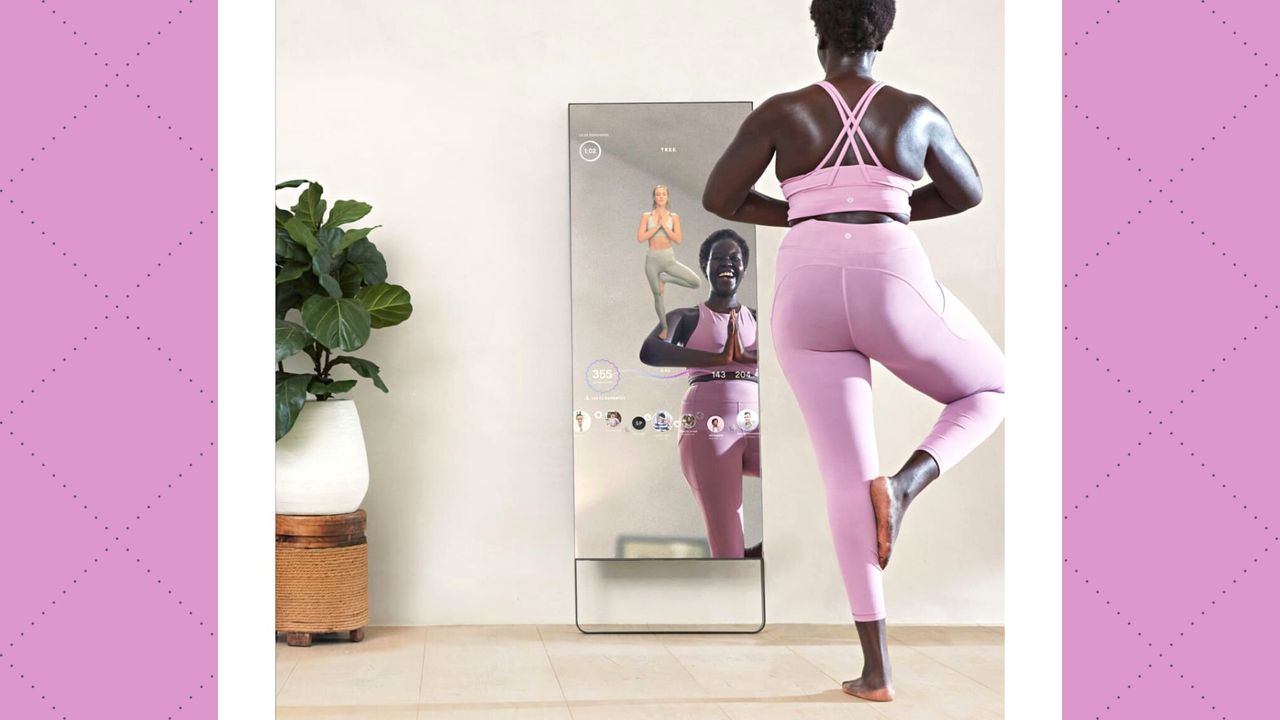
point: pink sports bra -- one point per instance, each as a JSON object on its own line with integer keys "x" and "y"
{"x": 846, "y": 188}
{"x": 711, "y": 334}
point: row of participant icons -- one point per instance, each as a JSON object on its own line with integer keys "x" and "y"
{"x": 663, "y": 421}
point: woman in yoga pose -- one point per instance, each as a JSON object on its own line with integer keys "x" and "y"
{"x": 853, "y": 284}
{"x": 661, "y": 229}
{"x": 717, "y": 342}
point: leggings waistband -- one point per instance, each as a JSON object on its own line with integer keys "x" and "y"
{"x": 837, "y": 237}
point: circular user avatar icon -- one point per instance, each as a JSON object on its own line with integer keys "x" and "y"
{"x": 581, "y": 421}
{"x": 748, "y": 420}
{"x": 613, "y": 420}
{"x": 687, "y": 421}
{"x": 638, "y": 422}
{"x": 590, "y": 151}
{"x": 715, "y": 424}
{"x": 662, "y": 421}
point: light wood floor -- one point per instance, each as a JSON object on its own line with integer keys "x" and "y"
{"x": 553, "y": 672}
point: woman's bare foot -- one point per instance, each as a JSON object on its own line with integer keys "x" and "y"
{"x": 891, "y": 495}
{"x": 868, "y": 689}
{"x": 662, "y": 334}
{"x": 888, "y": 510}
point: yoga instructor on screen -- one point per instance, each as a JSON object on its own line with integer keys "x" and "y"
{"x": 661, "y": 229}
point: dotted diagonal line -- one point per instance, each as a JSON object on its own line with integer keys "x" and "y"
{"x": 1277, "y": 538}
{"x": 1160, "y": 190}
{"x": 1160, "y": 422}
{"x": 116, "y": 540}
{"x": 85, "y": 106}
{"x": 32, "y": 686}
{"x": 1173, "y": 669}
{"x": 1244, "y": 43}
{"x": 1128, "y": 624}
{"x": 128, "y": 64}
{"x": 1203, "y": 148}
{"x": 1076, "y": 43}
{"x": 115, "y": 306}
{"x": 1223, "y": 591}
{"x": 1171, "y": 645}
{"x": 105, "y": 85}
{"x": 75, "y": 581}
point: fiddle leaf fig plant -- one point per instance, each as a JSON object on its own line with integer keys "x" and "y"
{"x": 331, "y": 291}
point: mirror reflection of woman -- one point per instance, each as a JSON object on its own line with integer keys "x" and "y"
{"x": 661, "y": 229}
{"x": 716, "y": 341}
{"x": 853, "y": 284}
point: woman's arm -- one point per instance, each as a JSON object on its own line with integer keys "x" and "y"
{"x": 749, "y": 355}
{"x": 643, "y": 234}
{"x": 728, "y": 192}
{"x": 676, "y": 236}
{"x": 954, "y": 183}
{"x": 659, "y": 353}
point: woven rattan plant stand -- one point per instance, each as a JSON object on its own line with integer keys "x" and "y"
{"x": 322, "y": 576}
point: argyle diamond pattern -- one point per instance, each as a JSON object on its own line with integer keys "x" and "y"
{"x": 108, "y": 414}
{"x": 1171, "y": 334}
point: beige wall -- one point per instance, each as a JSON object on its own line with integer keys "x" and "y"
{"x": 450, "y": 119}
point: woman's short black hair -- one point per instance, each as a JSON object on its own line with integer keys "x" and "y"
{"x": 852, "y": 25}
{"x": 704, "y": 253}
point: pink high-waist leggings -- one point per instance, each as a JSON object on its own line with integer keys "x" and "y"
{"x": 714, "y": 463}
{"x": 845, "y": 295}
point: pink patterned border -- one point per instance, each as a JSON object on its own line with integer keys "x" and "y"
{"x": 1171, "y": 304}
{"x": 107, "y": 406}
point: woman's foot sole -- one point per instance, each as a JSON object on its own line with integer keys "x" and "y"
{"x": 856, "y": 688}
{"x": 882, "y": 505}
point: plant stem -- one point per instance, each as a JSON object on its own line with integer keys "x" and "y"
{"x": 314, "y": 351}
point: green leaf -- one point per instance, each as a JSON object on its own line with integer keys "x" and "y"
{"x": 291, "y": 184}
{"x": 321, "y": 262}
{"x": 353, "y": 234}
{"x": 372, "y": 265}
{"x": 282, "y": 215}
{"x": 338, "y": 323}
{"x": 329, "y": 240}
{"x": 287, "y": 298}
{"x": 290, "y": 339}
{"x": 363, "y": 368}
{"x": 387, "y": 304}
{"x": 347, "y": 211}
{"x": 330, "y": 286}
{"x": 301, "y": 234}
{"x": 318, "y": 387}
{"x": 291, "y": 271}
{"x": 310, "y": 207}
{"x": 291, "y": 394}
{"x": 288, "y": 249}
{"x": 350, "y": 278}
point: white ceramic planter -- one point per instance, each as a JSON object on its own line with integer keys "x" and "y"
{"x": 321, "y": 466}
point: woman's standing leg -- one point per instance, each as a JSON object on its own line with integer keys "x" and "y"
{"x": 712, "y": 464}
{"x": 833, "y": 390}
{"x": 832, "y": 385}
{"x": 652, "y": 272}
